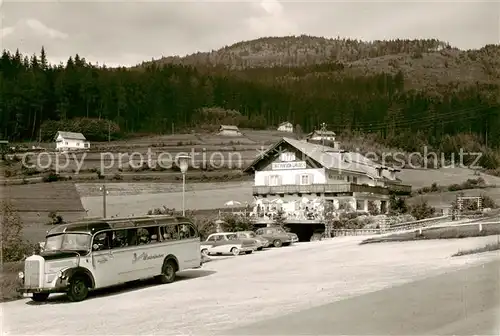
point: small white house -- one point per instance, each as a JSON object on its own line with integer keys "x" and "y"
{"x": 71, "y": 141}
{"x": 229, "y": 130}
{"x": 285, "y": 127}
{"x": 321, "y": 135}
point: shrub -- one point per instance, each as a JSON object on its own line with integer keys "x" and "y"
{"x": 55, "y": 219}
{"x": 234, "y": 223}
{"x": 422, "y": 210}
{"x": 14, "y": 248}
{"x": 51, "y": 177}
{"x": 397, "y": 205}
{"x": 488, "y": 202}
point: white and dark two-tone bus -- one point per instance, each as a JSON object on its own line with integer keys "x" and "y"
{"x": 83, "y": 256}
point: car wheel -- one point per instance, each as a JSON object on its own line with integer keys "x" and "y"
{"x": 235, "y": 251}
{"x": 259, "y": 248}
{"x": 168, "y": 272}
{"x": 249, "y": 252}
{"x": 40, "y": 297}
{"x": 277, "y": 243}
{"x": 204, "y": 252}
{"x": 78, "y": 289}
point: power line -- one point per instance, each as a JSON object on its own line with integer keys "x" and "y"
{"x": 413, "y": 121}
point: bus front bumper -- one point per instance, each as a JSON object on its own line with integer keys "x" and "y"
{"x": 61, "y": 286}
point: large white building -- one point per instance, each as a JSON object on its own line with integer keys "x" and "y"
{"x": 71, "y": 141}
{"x": 319, "y": 135}
{"x": 301, "y": 178}
{"x": 285, "y": 126}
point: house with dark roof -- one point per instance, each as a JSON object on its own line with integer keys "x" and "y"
{"x": 229, "y": 130}
{"x": 302, "y": 178}
{"x": 71, "y": 141}
{"x": 320, "y": 135}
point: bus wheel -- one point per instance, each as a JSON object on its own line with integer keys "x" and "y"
{"x": 168, "y": 272}
{"x": 78, "y": 289}
{"x": 40, "y": 297}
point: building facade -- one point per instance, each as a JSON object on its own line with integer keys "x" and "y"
{"x": 71, "y": 141}
{"x": 285, "y": 127}
{"x": 303, "y": 179}
{"x": 321, "y": 135}
{"x": 229, "y": 130}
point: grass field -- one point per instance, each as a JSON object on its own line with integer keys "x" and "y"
{"x": 457, "y": 232}
{"x": 486, "y": 248}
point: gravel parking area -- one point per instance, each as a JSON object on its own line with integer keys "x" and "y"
{"x": 239, "y": 290}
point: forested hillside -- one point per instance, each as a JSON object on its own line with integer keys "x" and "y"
{"x": 423, "y": 62}
{"x": 152, "y": 98}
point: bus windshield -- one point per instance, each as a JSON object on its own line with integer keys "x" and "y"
{"x": 68, "y": 242}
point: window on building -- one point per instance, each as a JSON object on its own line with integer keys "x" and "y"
{"x": 288, "y": 156}
{"x": 78, "y": 144}
{"x": 354, "y": 179}
{"x": 274, "y": 180}
{"x": 86, "y": 145}
{"x": 66, "y": 143}
{"x": 305, "y": 179}
{"x": 360, "y": 205}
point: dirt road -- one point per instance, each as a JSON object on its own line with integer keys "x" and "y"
{"x": 230, "y": 293}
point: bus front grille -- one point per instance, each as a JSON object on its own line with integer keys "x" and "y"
{"x": 32, "y": 273}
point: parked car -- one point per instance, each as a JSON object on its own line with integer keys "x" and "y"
{"x": 227, "y": 243}
{"x": 293, "y": 236}
{"x": 276, "y": 235}
{"x": 261, "y": 241}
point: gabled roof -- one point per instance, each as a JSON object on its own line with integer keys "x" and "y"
{"x": 320, "y": 133}
{"x": 71, "y": 135}
{"x": 330, "y": 158}
{"x": 229, "y": 127}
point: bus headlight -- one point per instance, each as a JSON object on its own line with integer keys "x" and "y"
{"x": 20, "y": 275}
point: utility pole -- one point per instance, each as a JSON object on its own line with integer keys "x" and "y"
{"x": 40, "y": 135}
{"x": 109, "y": 131}
{"x": 104, "y": 193}
{"x": 172, "y": 128}
{"x": 323, "y": 130}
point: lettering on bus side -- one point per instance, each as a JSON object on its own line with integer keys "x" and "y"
{"x": 145, "y": 256}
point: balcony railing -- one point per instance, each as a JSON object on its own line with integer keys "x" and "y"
{"x": 328, "y": 188}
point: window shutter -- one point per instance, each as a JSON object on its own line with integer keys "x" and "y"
{"x": 266, "y": 180}
{"x": 311, "y": 178}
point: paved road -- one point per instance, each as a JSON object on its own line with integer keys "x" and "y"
{"x": 247, "y": 289}
{"x": 464, "y": 302}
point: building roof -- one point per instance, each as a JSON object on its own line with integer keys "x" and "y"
{"x": 71, "y": 135}
{"x": 229, "y": 127}
{"x": 285, "y": 123}
{"x": 322, "y": 133}
{"x": 330, "y": 158}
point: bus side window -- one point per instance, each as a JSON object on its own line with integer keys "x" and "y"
{"x": 153, "y": 234}
{"x": 143, "y": 236}
{"x": 132, "y": 237}
{"x": 101, "y": 241}
{"x": 187, "y": 231}
{"x": 119, "y": 239}
{"x": 169, "y": 232}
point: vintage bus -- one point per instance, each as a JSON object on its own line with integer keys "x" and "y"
{"x": 79, "y": 257}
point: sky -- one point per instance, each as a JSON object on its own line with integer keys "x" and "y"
{"x": 128, "y": 32}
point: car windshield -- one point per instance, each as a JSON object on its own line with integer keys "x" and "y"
{"x": 68, "y": 242}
